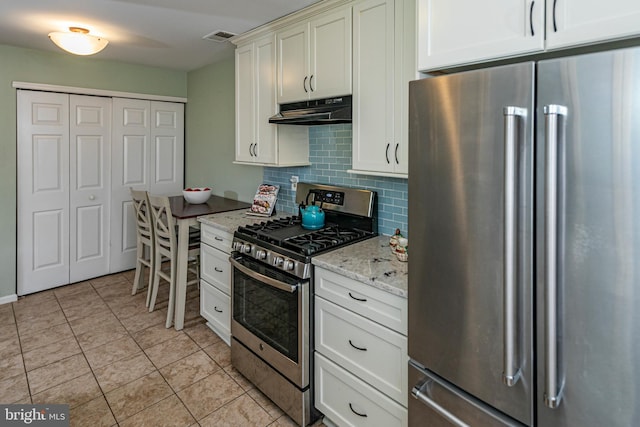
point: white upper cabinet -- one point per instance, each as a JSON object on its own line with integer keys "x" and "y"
{"x": 314, "y": 58}
{"x": 259, "y": 142}
{"x": 579, "y": 22}
{"x": 256, "y": 102}
{"x": 383, "y": 63}
{"x": 467, "y": 31}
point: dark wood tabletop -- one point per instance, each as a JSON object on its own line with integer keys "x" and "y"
{"x": 182, "y": 209}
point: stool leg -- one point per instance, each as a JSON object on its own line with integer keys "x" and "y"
{"x": 137, "y": 279}
{"x": 172, "y": 296}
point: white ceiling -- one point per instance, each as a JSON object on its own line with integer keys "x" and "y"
{"x": 161, "y": 33}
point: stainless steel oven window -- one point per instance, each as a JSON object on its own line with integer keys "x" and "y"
{"x": 270, "y": 311}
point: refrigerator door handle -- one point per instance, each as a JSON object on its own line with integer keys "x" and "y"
{"x": 511, "y": 331}
{"x": 421, "y": 390}
{"x": 552, "y": 388}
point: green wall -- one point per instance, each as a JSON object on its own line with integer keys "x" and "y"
{"x": 17, "y": 64}
{"x": 210, "y": 134}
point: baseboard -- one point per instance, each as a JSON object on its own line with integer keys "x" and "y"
{"x": 8, "y": 299}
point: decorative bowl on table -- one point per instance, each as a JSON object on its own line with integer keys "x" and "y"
{"x": 196, "y": 195}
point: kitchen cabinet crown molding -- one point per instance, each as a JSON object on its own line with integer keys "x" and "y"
{"x": 306, "y": 13}
{"x": 97, "y": 92}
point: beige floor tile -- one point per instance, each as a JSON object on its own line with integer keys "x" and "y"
{"x": 82, "y": 296}
{"x": 112, "y": 352}
{"x": 169, "y": 412}
{"x": 34, "y": 339}
{"x": 57, "y": 373}
{"x": 102, "y": 334}
{"x": 272, "y": 409}
{"x": 144, "y": 320}
{"x": 14, "y": 389}
{"x": 102, "y": 321}
{"x": 113, "y": 290}
{"x": 11, "y": 366}
{"x": 243, "y": 411}
{"x": 220, "y": 352}
{"x": 154, "y": 335}
{"x": 73, "y": 290}
{"x": 127, "y": 305}
{"x": 40, "y": 321}
{"x": 73, "y": 393}
{"x": 239, "y": 378}
{"x": 110, "y": 280}
{"x": 9, "y": 346}
{"x": 132, "y": 398}
{"x": 8, "y": 331}
{"x": 6, "y": 315}
{"x": 50, "y": 353}
{"x": 43, "y": 302}
{"x": 189, "y": 370}
{"x": 123, "y": 371}
{"x": 171, "y": 350}
{"x": 202, "y": 335}
{"x": 219, "y": 389}
{"x": 89, "y": 308}
{"x": 95, "y": 413}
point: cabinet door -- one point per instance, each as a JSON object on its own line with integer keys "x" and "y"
{"x": 245, "y": 108}
{"x": 90, "y": 186}
{"x": 293, "y": 64}
{"x": 373, "y": 91}
{"x": 578, "y": 22}
{"x": 265, "y": 100}
{"x": 467, "y": 31}
{"x": 330, "y": 41}
{"x": 43, "y": 191}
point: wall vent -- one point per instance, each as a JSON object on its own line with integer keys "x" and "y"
{"x": 219, "y": 36}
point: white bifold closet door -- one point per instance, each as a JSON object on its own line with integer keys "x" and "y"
{"x": 64, "y": 152}
{"x": 148, "y": 154}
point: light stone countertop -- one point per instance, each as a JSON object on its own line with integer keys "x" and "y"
{"x": 370, "y": 262}
{"x": 230, "y": 221}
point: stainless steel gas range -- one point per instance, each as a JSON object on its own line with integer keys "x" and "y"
{"x": 272, "y": 292}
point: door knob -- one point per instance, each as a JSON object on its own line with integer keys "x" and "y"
{"x": 92, "y": 197}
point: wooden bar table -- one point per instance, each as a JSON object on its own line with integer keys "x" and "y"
{"x": 186, "y": 215}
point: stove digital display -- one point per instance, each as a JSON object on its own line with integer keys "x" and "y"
{"x": 333, "y": 197}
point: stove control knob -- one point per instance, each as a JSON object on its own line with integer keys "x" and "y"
{"x": 237, "y": 246}
{"x": 278, "y": 261}
{"x": 288, "y": 265}
{"x": 261, "y": 254}
{"x": 246, "y": 248}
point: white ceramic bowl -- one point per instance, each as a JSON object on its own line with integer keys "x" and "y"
{"x": 196, "y": 195}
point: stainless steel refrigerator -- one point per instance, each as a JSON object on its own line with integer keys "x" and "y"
{"x": 524, "y": 218}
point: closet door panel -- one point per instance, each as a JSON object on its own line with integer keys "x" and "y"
{"x": 43, "y": 191}
{"x": 167, "y": 151}
{"x": 90, "y": 172}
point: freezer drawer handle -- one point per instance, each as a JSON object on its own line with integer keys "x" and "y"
{"x": 420, "y": 392}
{"x": 513, "y": 137}
{"x": 553, "y": 133}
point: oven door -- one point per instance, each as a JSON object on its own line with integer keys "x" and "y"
{"x": 270, "y": 316}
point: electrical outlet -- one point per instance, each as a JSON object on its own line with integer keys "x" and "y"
{"x": 294, "y": 182}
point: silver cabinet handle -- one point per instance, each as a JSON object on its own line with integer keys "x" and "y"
{"x": 217, "y": 309}
{"x": 218, "y": 270}
{"x": 511, "y": 331}
{"x": 386, "y": 153}
{"x": 555, "y": 22}
{"x": 553, "y": 132}
{"x": 311, "y": 83}
{"x": 531, "y": 18}
{"x": 304, "y": 84}
{"x": 397, "y": 161}
{"x": 250, "y": 147}
{"x": 255, "y": 149}
{"x": 420, "y": 392}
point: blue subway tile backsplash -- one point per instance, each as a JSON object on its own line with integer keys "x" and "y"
{"x": 330, "y": 157}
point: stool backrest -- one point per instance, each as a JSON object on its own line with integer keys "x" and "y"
{"x": 144, "y": 227}
{"x": 163, "y": 225}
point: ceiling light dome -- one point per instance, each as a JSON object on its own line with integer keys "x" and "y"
{"x": 78, "y": 41}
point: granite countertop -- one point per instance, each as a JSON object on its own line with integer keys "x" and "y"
{"x": 230, "y": 221}
{"x": 370, "y": 262}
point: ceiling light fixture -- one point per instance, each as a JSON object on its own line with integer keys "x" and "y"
{"x": 78, "y": 41}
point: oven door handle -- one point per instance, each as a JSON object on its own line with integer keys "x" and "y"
{"x": 264, "y": 279}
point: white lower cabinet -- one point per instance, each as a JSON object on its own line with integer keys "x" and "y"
{"x": 360, "y": 352}
{"x": 215, "y": 280}
{"x": 348, "y": 401}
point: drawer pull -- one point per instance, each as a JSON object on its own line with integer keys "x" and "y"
{"x": 356, "y": 412}
{"x": 217, "y": 269}
{"x": 358, "y": 299}
{"x": 356, "y": 347}
{"x": 219, "y": 239}
{"x": 217, "y": 309}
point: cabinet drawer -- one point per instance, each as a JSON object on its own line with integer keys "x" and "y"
{"x": 215, "y": 237}
{"x": 341, "y": 397}
{"x": 215, "y": 306}
{"x": 215, "y": 268}
{"x": 387, "y": 309}
{"x": 372, "y": 352}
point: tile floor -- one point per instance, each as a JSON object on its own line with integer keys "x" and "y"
{"x": 95, "y": 347}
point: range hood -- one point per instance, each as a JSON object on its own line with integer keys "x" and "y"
{"x": 326, "y": 111}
